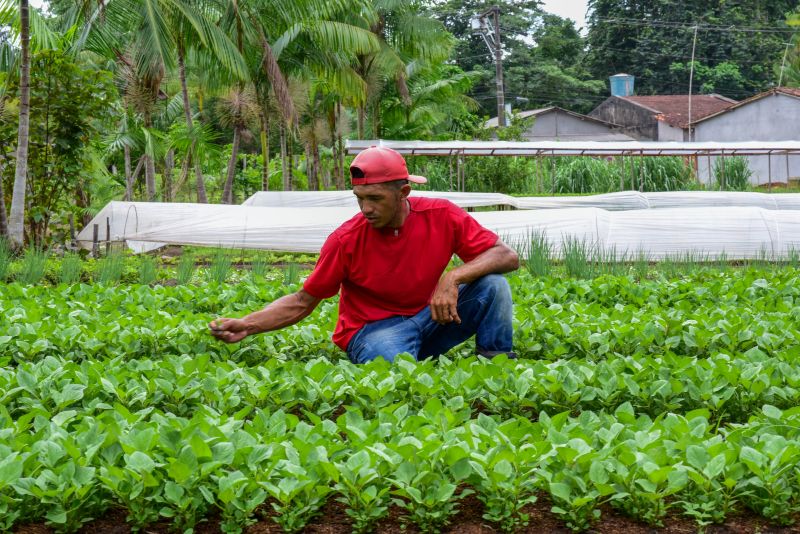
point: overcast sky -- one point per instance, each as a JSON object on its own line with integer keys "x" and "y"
{"x": 568, "y": 9}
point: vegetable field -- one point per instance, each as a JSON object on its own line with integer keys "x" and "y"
{"x": 635, "y": 404}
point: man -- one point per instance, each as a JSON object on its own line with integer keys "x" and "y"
{"x": 388, "y": 262}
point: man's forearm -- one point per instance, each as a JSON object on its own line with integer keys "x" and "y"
{"x": 285, "y": 311}
{"x": 498, "y": 259}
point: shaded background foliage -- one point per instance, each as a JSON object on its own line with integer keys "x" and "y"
{"x": 212, "y": 100}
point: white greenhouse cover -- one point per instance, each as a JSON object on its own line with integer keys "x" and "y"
{"x": 736, "y": 232}
{"x": 625, "y": 200}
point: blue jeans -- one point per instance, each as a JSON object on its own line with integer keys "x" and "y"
{"x": 485, "y": 309}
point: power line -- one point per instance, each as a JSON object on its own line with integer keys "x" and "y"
{"x": 687, "y": 26}
{"x": 680, "y": 56}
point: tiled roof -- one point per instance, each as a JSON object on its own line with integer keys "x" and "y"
{"x": 674, "y": 109}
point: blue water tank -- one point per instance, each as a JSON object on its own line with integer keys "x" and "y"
{"x": 621, "y": 84}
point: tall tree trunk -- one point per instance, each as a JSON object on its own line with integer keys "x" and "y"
{"x": 264, "y": 150}
{"x": 310, "y": 168}
{"x": 317, "y": 165}
{"x": 202, "y": 198}
{"x": 290, "y": 158}
{"x": 227, "y": 192}
{"x": 284, "y": 166}
{"x": 3, "y": 215}
{"x": 362, "y": 118}
{"x": 149, "y": 164}
{"x": 82, "y": 201}
{"x": 339, "y": 153}
{"x": 376, "y": 120}
{"x": 169, "y": 164}
{"x": 135, "y": 176}
{"x": 16, "y": 223}
{"x": 128, "y": 180}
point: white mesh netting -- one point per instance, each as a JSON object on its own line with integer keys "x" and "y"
{"x": 735, "y": 232}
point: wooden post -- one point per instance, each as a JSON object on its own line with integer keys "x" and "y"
{"x": 108, "y": 236}
{"x": 787, "y": 169}
{"x": 450, "y": 176}
{"x": 769, "y": 170}
{"x": 95, "y": 232}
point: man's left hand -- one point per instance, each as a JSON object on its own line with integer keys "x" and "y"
{"x": 444, "y": 302}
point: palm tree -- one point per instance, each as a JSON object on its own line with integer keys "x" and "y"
{"x": 16, "y": 226}
{"x": 235, "y": 109}
{"x": 405, "y": 37}
{"x": 149, "y": 39}
{"x": 304, "y": 39}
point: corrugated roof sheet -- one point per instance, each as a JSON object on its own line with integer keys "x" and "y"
{"x": 674, "y": 109}
{"x": 583, "y": 148}
{"x": 794, "y": 91}
{"x": 791, "y": 91}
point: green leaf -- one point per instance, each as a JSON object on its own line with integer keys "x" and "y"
{"x": 174, "y": 492}
{"x": 139, "y": 461}
{"x": 697, "y": 456}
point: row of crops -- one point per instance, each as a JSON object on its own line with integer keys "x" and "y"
{"x": 654, "y": 397}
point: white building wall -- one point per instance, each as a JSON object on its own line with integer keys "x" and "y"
{"x": 553, "y": 125}
{"x": 772, "y": 118}
{"x": 669, "y": 133}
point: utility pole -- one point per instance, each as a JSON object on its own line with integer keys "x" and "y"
{"x": 783, "y": 63}
{"x": 491, "y": 36}
{"x": 691, "y": 75}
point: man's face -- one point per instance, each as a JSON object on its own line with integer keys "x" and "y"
{"x": 381, "y": 204}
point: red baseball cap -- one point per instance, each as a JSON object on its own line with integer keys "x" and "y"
{"x": 378, "y": 164}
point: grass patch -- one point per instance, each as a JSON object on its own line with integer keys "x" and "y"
{"x": 71, "y": 269}
{"x": 148, "y": 270}
{"x": 33, "y": 266}
{"x": 111, "y": 268}
{"x": 220, "y": 266}
{"x": 185, "y": 270}
{"x": 6, "y": 256}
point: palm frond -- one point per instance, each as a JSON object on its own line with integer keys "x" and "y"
{"x": 212, "y": 37}
{"x": 285, "y": 39}
{"x": 156, "y": 43}
{"x": 333, "y": 35}
{"x": 42, "y": 35}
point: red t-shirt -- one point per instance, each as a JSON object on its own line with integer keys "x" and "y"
{"x": 386, "y": 272}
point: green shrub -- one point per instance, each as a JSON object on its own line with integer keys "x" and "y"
{"x": 5, "y": 258}
{"x": 185, "y": 270}
{"x": 111, "y": 268}
{"x": 259, "y": 266}
{"x": 220, "y": 266}
{"x": 147, "y": 270}
{"x": 576, "y": 253}
{"x": 537, "y": 253}
{"x": 291, "y": 274}
{"x": 32, "y": 268}
{"x": 732, "y": 173}
{"x": 71, "y": 268}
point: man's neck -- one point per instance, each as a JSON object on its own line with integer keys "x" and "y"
{"x": 403, "y": 215}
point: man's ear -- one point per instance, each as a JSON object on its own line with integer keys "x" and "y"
{"x": 405, "y": 190}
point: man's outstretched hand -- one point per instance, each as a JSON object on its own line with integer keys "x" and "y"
{"x": 228, "y": 330}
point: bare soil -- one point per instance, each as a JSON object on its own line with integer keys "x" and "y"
{"x": 332, "y": 519}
